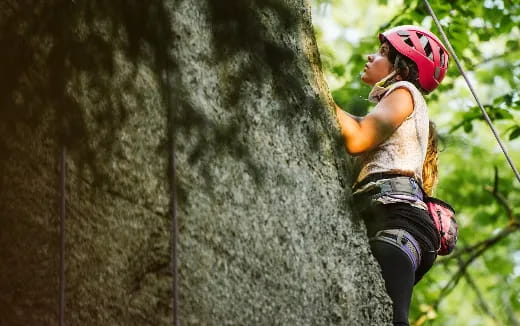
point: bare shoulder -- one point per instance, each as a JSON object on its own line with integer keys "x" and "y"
{"x": 401, "y": 97}
{"x": 394, "y": 108}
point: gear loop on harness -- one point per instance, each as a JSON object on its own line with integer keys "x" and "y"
{"x": 402, "y": 240}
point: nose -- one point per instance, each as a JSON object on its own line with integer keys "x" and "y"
{"x": 370, "y": 57}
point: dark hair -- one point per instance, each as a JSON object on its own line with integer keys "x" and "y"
{"x": 405, "y": 67}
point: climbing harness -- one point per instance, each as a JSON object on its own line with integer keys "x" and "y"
{"x": 402, "y": 240}
{"x": 459, "y": 65}
{"x": 383, "y": 188}
{"x": 63, "y": 175}
{"x": 406, "y": 189}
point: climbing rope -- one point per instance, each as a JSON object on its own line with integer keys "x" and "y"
{"x": 459, "y": 65}
{"x": 173, "y": 195}
{"x": 174, "y": 227}
{"x": 62, "y": 236}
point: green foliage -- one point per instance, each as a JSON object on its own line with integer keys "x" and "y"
{"x": 474, "y": 176}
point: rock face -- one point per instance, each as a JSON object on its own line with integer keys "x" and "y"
{"x": 266, "y": 233}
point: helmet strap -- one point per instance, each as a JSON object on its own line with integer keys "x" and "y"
{"x": 396, "y": 63}
{"x": 380, "y": 88}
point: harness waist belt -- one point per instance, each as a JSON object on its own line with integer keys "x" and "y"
{"x": 396, "y": 186}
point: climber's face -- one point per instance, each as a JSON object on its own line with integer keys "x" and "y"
{"x": 378, "y": 66}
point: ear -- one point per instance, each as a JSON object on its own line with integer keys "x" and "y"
{"x": 403, "y": 73}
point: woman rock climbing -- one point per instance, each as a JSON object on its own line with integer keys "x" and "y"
{"x": 396, "y": 149}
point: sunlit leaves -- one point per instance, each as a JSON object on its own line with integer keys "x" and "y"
{"x": 502, "y": 108}
{"x": 486, "y": 37}
{"x": 515, "y": 133}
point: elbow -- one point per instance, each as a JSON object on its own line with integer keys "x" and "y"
{"x": 356, "y": 148}
{"x": 354, "y": 151}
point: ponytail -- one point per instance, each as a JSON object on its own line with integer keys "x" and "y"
{"x": 431, "y": 161}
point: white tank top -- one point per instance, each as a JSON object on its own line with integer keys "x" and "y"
{"x": 404, "y": 151}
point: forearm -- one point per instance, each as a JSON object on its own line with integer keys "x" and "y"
{"x": 350, "y": 129}
{"x": 362, "y": 134}
{"x": 349, "y": 123}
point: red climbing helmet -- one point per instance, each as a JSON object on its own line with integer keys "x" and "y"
{"x": 423, "y": 48}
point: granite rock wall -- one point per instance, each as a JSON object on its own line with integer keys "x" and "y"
{"x": 266, "y": 232}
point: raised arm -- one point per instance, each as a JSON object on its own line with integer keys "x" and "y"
{"x": 367, "y": 133}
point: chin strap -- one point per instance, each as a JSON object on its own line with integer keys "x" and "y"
{"x": 378, "y": 91}
{"x": 396, "y": 63}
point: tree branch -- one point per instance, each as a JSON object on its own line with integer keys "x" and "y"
{"x": 406, "y": 9}
{"x": 511, "y": 314}
{"x": 500, "y": 198}
{"x": 512, "y": 226}
{"x": 481, "y": 302}
{"x": 483, "y": 245}
{"x": 490, "y": 59}
{"x": 474, "y": 252}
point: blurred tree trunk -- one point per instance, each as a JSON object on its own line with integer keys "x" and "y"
{"x": 266, "y": 232}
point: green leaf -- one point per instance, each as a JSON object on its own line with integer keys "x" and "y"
{"x": 513, "y": 45}
{"x": 339, "y": 70}
{"x": 468, "y": 126}
{"x": 507, "y": 99}
{"x": 515, "y": 133}
{"x": 485, "y": 36}
{"x": 496, "y": 67}
{"x": 503, "y": 114}
{"x": 506, "y": 23}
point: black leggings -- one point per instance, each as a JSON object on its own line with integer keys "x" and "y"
{"x": 397, "y": 268}
{"x": 399, "y": 275}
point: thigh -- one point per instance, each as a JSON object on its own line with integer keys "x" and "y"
{"x": 411, "y": 219}
{"x": 399, "y": 276}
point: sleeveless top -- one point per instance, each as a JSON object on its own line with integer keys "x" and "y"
{"x": 402, "y": 153}
{"x": 405, "y": 150}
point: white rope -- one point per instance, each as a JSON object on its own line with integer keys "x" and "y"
{"x": 459, "y": 65}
